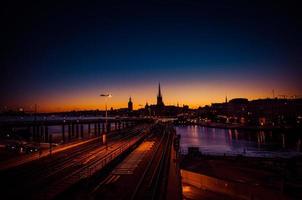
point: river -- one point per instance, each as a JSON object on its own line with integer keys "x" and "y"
{"x": 217, "y": 141}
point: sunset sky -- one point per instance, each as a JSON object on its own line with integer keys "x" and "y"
{"x": 61, "y": 56}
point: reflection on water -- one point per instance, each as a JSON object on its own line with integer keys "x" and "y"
{"x": 233, "y": 142}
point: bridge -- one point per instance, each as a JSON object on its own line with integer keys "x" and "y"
{"x": 70, "y": 127}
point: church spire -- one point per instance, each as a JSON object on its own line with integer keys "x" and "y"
{"x": 159, "y": 92}
{"x": 130, "y": 104}
{"x": 159, "y": 97}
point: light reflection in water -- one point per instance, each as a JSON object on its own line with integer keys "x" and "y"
{"x": 226, "y": 141}
{"x": 236, "y": 134}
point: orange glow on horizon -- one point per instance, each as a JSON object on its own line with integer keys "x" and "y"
{"x": 192, "y": 94}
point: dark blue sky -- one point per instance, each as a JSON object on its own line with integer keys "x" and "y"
{"x": 53, "y": 48}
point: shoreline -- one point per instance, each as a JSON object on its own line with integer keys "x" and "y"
{"x": 237, "y": 157}
{"x": 239, "y": 127}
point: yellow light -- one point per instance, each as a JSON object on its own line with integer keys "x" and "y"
{"x": 186, "y": 188}
{"x": 104, "y": 138}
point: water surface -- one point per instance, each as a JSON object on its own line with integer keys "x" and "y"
{"x": 216, "y": 141}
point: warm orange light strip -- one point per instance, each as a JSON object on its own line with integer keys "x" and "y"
{"x": 192, "y": 94}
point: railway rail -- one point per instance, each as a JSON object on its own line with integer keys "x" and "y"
{"x": 153, "y": 180}
{"x": 49, "y": 177}
{"x": 141, "y": 175}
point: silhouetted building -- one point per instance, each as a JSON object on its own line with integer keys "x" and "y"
{"x": 260, "y": 112}
{"x": 130, "y": 105}
{"x": 147, "y": 105}
{"x": 159, "y": 97}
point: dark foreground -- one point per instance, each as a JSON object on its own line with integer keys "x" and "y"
{"x": 136, "y": 164}
{"x": 220, "y": 177}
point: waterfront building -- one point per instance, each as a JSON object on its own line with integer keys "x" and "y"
{"x": 260, "y": 112}
{"x": 130, "y": 105}
{"x": 160, "y": 109}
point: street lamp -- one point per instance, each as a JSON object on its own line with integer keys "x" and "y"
{"x": 106, "y": 115}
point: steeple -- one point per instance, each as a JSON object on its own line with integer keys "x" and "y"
{"x": 159, "y": 97}
{"x": 130, "y": 104}
{"x": 159, "y": 92}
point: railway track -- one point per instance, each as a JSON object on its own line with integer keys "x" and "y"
{"x": 68, "y": 165}
{"x": 88, "y": 169}
{"x": 80, "y": 156}
{"x": 143, "y": 174}
{"x": 34, "y": 165}
{"x": 41, "y": 167}
{"x": 153, "y": 178}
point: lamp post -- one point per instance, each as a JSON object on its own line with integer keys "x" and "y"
{"x": 106, "y": 120}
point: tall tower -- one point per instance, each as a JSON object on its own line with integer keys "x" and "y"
{"x": 130, "y": 105}
{"x": 159, "y": 97}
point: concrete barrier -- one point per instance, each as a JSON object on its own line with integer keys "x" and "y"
{"x": 230, "y": 188}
